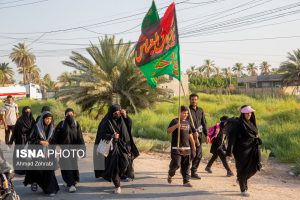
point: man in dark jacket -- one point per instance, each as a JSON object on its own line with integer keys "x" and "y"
{"x": 198, "y": 123}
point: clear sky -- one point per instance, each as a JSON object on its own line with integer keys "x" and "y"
{"x": 226, "y": 31}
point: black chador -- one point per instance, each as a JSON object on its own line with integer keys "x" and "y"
{"x": 44, "y": 178}
{"x": 244, "y": 144}
{"x": 24, "y": 126}
{"x": 68, "y": 132}
{"x": 119, "y": 162}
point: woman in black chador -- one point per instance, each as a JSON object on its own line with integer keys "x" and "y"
{"x": 66, "y": 134}
{"x": 119, "y": 163}
{"x": 42, "y": 136}
{"x": 243, "y": 143}
{"x": 21, "y": 133}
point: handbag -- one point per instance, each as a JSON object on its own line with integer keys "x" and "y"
{"x": 105, "y": 146}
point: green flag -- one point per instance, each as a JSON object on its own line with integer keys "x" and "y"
{"x": 157, "y": 51}
{"x": 151, "y": 17}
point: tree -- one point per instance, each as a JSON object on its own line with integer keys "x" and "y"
{"x": 65, "y": 78}
{"x": 23, "y": 58}
{"x": 227, "y": 74}
{"x": 6, "y": 74}
{"x": 274, "y": 70}
{"x": 252, "y": 69}
{"x": 265, "y": 68}
{"x": 192, "y": 72}
{"x": 47, "y": 85}
{"x": 238, "y": 68}
{"x": 110, "y": 76}
{"x": 208, "y": 67}
{"x": 291, "y": 68}
{"x": 218, "y": 72}
{"x": 32, "y": 74}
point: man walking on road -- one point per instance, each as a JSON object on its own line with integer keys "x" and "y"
{"x": 199, "y": 123}
{"x": 11, "y": 116}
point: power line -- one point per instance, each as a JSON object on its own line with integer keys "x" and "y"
{"x": 241, "y": 20}
{"x": 9, "y": 2}
{"x": 24, "y": 4}
{"x": 225, "y": 26}
{"x": 213, "y": 15}
{"x": 98, "y": 23}
{"x": 242, "y": 40}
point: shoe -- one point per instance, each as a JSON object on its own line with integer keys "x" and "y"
{"x": 51, "y": 194}
{"x": 127, "y": 180}
{"x": 195, "y": 176}
{"x": 187, "y": 184}
{"x": 245, "y": 194}
{"x": 117, "y": 190}
{"x": 169, "y": 179}
{"x": 72, "y": 189}
{"x": 34, "y": 187}
{"x": 208, "y": 170}
{"x": 229, "y": 174}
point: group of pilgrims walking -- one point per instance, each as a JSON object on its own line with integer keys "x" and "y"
{"x": 237, "y": 137}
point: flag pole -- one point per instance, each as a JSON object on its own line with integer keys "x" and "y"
{"x": 190, "y": 114}
{"x": 179, "y": 95}
{"x": 179, "y": 112}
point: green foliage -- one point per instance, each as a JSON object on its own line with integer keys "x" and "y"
{"x": 291, "y": 67}
{"x": 216, "y": 82}
{"x": 147, "y": 145}
{"x": 108, "y": 75}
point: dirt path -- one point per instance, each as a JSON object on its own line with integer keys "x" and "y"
{"x": 271, "y": 183}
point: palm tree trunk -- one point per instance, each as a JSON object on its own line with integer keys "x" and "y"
{"x": 24, "y": 75}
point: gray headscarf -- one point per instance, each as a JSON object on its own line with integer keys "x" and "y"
{"x": 41, "y": 127}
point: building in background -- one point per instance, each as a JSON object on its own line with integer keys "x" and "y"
{"x": 173, "y": 85}
{"x": 266, "y": 84}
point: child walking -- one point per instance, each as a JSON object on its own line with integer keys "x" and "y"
{"x": 181, "y": 156}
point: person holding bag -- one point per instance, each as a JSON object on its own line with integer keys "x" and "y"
{"x": 116, "y": 125}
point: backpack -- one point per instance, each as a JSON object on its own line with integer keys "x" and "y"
{"x": 231, "y": 125}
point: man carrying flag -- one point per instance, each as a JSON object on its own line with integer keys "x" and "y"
{"x": 157, "y": 54}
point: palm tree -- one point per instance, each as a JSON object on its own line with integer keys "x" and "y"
{"x": 238, "y": 68}
{"x": 47, "y": 85}
{"x": 228, "y": 74}
{"x": 6, "y": 74}
{"x": 199, "y": 72}
{"x": 252, "y": 69}
{"x": 23, "y": 58}
{"x": 109, "y": 77}
{"x": 192, "y": 72}
{"x": 32, "y": 74}
{"x": 208, "y": 67}
{"x": 218, "y": 72}
{"x": 291, "y": 68}
{"x": 265, "y": 68}
{"x": 65, "y": 78}
{"x": 274, "y": 70}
